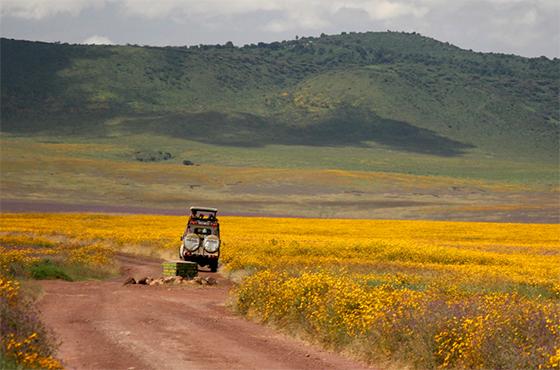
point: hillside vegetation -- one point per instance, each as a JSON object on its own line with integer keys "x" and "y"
{"x": 396, "y": 91}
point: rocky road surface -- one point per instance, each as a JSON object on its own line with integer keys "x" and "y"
{"x": 108, "y": 325}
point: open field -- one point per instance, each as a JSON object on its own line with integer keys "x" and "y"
{"x": 86, "y": 175}
{"x": 324, "y": 142}
{"x": 423, "y": 293}
{"x": 384, "y": 125}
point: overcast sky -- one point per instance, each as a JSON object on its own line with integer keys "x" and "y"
{"x": 524, "y": 27}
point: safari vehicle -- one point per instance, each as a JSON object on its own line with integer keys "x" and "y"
{"x": 200, "y": 242}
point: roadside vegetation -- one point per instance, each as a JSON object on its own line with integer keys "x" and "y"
{"x": 428, "y": 294}
{"x": 24, "y": 341}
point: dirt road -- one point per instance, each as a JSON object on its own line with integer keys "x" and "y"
{"x": 105, "y": 325}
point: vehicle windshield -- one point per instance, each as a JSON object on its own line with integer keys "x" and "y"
{"x": 203, "y": 215}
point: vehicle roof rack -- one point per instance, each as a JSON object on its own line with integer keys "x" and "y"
{"x": 207, "y": 209}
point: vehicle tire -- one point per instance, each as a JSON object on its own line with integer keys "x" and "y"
{"x": 214, "y": 266}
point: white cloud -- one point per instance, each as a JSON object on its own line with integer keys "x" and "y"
{"x": 528, "y": 18}
{"x": 309, "y": 14}
{"x": 385, "y": 9}
{"x": 164, "y": 8}
{"x": 97, "y": 40}
{"x": 38, "y": 9}
{"x": 278, "y": 26}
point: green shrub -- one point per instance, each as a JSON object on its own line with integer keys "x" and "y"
{"x": 46, "y": 269}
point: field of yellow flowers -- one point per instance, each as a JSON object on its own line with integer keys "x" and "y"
{"x": 430, "y": 294}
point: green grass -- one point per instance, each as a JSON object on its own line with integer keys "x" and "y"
{"x": 475, "y": 164}
{"x": 267, "y": 124}
{"x": 276, "y": 179}
{"x": 48, "y": 270}
{"x": 53, "y": 269}
{"x": 8, "y": 363}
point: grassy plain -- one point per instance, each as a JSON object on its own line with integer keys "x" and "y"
{"x": 275, "y": 180}
{"x": 367, "y": 125}
{"x": 426, "y": 293}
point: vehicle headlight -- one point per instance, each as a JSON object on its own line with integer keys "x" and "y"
{"x": 191, "y": 242}
{"x": 211, "y": 243}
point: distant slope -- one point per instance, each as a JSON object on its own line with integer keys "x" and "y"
{"x": 399, "y": 91}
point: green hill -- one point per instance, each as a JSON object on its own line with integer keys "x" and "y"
{"x": 396, "y": 91}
